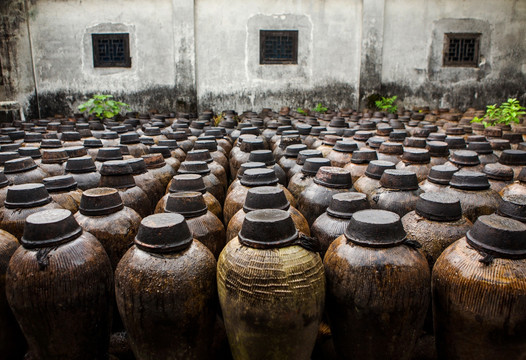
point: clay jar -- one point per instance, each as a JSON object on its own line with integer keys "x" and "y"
{"x": 332, "y": 223}
{"x": 266, "y": 157}
{"x": 217, "y": 153}
{"x": 516, "y": 159}
{"x": 241, "y": 156}
{"x": 12, "y": 343}
{"x": 22, "y": 201}
{"x": 117, "y": 174}
{"x": 166, "y": 291}
{"x": 377, "y": 288}
{"x": 499, "y": 176}
{"x": 288, "y": 160}
{"x": 266, "y": 197}
{"x": 290, "y": 286}
{"x": 103, "y": 214}
{"x": 513, "y": 206}
{"x": 4, "y": 185}
{"x": 215, "y": 167}
{"x": 398, "y": 192}
{"x": 479, "y": 292}
{"x": 251, "y": 178}
{"x": 518, "y": 187}
{"x": 107, "y": 154}
{"x": 305, "y": 177}
{"x": 341, "y": 152}
{"x": 370, "y": 181}
{"x": 212, "y": 183}
{"x": 484, "y": 152}
{"x": 359, "y": 162}
{"x": 300, "y": 161}
{"x": 244, "y": 167}
{"x": 159, "y": 168}
{"x": 436, "y": 223}
{"x": 473, "y": 190}
{"x": 417, "y": 160}
{"x": 135, "y": 147}
{"x": 59, "y": 286}
{"x": 167, "y": 156}
{"x": 144, "y": 179}
{"x": 54, "y": 161}
{"x": 391, "y": 151}
{"x": 204, "y": 225}
{"x": 83, "y": 170}
{"x": 439, "y": 152}
{"x": 465, "y": 159}
{"x": 64, "y": 191}
{"x": 23, "y": 170}
{"x": 175, "y": 151}
{"x": 438, "y": 178}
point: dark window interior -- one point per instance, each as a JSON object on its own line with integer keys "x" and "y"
{"x": 111, "y": 50}
{"x": 461, "y": 49}
{"x": 278, "y": 47}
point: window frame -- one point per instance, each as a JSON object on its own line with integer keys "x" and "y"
{"x": 263, "y": 34}
{"x": 98, "y": 63}
{"x": 464, "y": 35}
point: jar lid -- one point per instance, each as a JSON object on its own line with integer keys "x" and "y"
{"x": 119, "y": 129}
{"x": 469, "y": 180}
{"x": 512, "y": 137}
{"x": 498, "y": 236}
{"x": 307, "y": 154}
{"x": 249, "y": 130}
{"x": 403, "y": 180}
{"x": 187, "y": 182}
{"x": 92, "y": 143}
{"x": 215, "y": 132}
{"x": 304, "y": 129}
{"x": 480, "y": 147}
{"x": 513, "y": 157}
{"x": 398, "y": 135}
{"x": 439, "y": 206}
{"x": 499, "y": 144}
{"x": 70, "y": 136}
{"x": 188, "y": 204}
{"x": 287, "y": 140}
{"x": 193, "y": 167}
{"x": 145, "y": 140}
{"x": 163, "y": 233}
{"x": 76, "y": 151}
{"x": 33, "y": 137}
{"x": 115, "y": 167}
{"x": 265, "y": 197}
{"x": 109, "y": 135}
{"x": 391, "y": 148}
{"x": 81, "y": 164}
{"x": 50, "y": 228}
{"x": 331, "y": 140}
{"x": 292, "y": 151}
{"x": 465, "y": 158}
{"x": 436, "y": 137}
{"x": 415, "y": 142}
{"x": 164, "y": 151}
{"x": 19, "y": 165}
{"x": 513, "y": 206}
{"x": 455, "y": 131}
{"x": 344, "y": 205}
{"x": 210, "y": 145}
{"x": 437, "y": 148}
{"x": 262, "y": 156}
{"x": 312, "y": 165}
{"x": 60, "y": 183}
{"x": 333, "y": 177}
{"x": 362, "y": 135}
{"x": 375, "y": 228}
{"x": 441, "y": 174}
{"x": 8, "y": 155}
{"x": 375, "y": 142}
{"x": 416, "y": 156}
{"x": 26, "y": 196}
{"x": 259, "y": 177}
{"x": 522, "y": 175}
{"x": 267, "y": 229}
{"x": 384, "y": 129}
{"x": 100, "y": 201}
{"x": 363, "y": 156}
{"x": 4, "y": 181}
{"x": 455, "y": 142}
{"x": 421, "y": 133}
{"x": 154, "y": 161}
{"x": 109, "y": 153}
{"x": 54, "y": 156}
{"x": 498, "y": 172}
{"x": 376, "y": 168}
{"x": 138, "y": 166}
{"x": 130, "y": 138}
{"x": 249, "y": 165}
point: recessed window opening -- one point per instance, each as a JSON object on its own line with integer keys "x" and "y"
{"x": 278, "y": 47}
{"x": 461, "y": 49}
{"x": 111, "y": 50}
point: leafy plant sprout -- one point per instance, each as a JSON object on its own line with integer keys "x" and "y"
{"x": 103, "y": 106}
{"x": 506, "y": 113}
{"x": 387, "y": 104}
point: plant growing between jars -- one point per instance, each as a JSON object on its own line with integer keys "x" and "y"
{"x": 103, "y": 106}
{"x": 508, "y": 112}
{"x": 387, "y": 104}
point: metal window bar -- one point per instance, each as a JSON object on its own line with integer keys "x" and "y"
{"x": 278, "y": 47}
{"x": 111, "y": 50}
{"x": 461, "y": 49}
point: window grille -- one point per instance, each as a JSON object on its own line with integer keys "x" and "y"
{"x": 461, "y": 49}
{"x": 111, "y": 50}
{"x": 278, "y": 47}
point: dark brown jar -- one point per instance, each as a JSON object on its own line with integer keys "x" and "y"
{"x": 438, "y": 178}
{"x": 54, "y": 161}
{"x": 390, "y": 151}
{"x": 165, "y": 287}
{"x": 316, "y": 197}
{"x": 516, "y": 159}
{"x": 117, "y": 174}
{"x": 222, "y": 141}
{"x": 473, "y": 190}
{"x": 513, "y": 206}
{"x": 205, "y": 226}
{"x": 167, "y": 156}
{"x": 216, "y": 152}
{"x": 60, "y": 285}
{"x": 241, "y": 156}
{"x": 71, "y": 139}
{"x": 359, "y": 162}
{"x": 300, "y": 161}
{"x": 266, "y": 157}
{"x": 333, "y": 222}
{"x": 370, "y": 180}
{"x": 479, "y": 292}
{"x": 107, "y": 154}
{"x": 64, "y": 191}
{"x": 265, "y": 197}
{"x": 159, "y": 169}
{"x": 21, "y": 201}
{"x": 251, "y": 178}
{"x": 103, "y": 214}
{"x": 83, "y": 170}
{"x": 244, "y": 167}
{"x": 341, "y": 152}
{"x": 12, "y": 343}
{"x": 266, "y": 259}
{"x": 328, "y": 142}
{"x": 285, "y": 140}
{"x": 212, "y": 183}
{"x": 305, "y": 177}
{"x": 436, "y": 223}
{"x": 182, "y": 140}
{"x": 4, "y": 185}
{"x": 175, "y": 150}
{"x": 416, "y": 160}
{"x": 518, "y": 187}
{"x": 465, "y": 159}
{"x": 439, "y": 152}
{"x": 398, "y": 192}
{"x": 215, "y": 167}
{"x": 144, "y": 179}
{"x": 135, "y": 147}
{"x": 92, "y": 147}
{"x": 377, "y": 288}
{"x": 499, "y": 176}
{"x": 23, "y": 170}
{"x": 290, "y": 156}
{"x": 484, "y": 152}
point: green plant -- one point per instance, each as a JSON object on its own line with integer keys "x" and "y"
{"x": 302, "y": 111}
{"x": 387, "y": 104}
{"x": 103, "y": 107}
{"x": 507, "y": 112}
{"x": 320, "y": 109}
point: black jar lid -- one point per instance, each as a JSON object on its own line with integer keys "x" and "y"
{"x": 179, "y": 136}
{"x": 249, "y": 165}
{"x": 8, "y": 155}
{"x": 398, "y": 135}
{"x": 188, "y": 204}
{"x": 109, "y": 135}
{"x": 436, "y": 137}
{"x": 304, "y": 129}
{"x": 10, "y": 147}
{"x": 333, "y": 177}
{"x": 375, "y": 228}
{"x": 403, "y": 180}
{"x": 344, "y": 205}
{"x": 267, "y": 229}
{"x": 421, "y": 133}
{"x": 146, "y": 140}
{"x": 345, "y": 146}
{"x": 476, "y": 139}
{"x": 455, "y": 142}
{"x": 4, "y": 181}
{"x": 19, "y": 165}
{"x": 441, "y": 174}
{"x": 282, "y": 128}
{"x": 50, "y": 228}
{"x": 362, "y": 135}
{"x": 308, "y": 154}
{"x": 249, "y": 130}
{"x": 312, "y": 165}
{"x": 92, "y": 143}
{"x": 330, "y": 139}
{"x": 187, "y": 182}
{"x": 416, "y": 156}
{"x": 287, "y": 140}
{"x": 513, "y": 206}
{"x": 33, "y": 137}
{"x": 391, "y": 148}
{"x": 100, "y": 201}
{"x": 26, "y": 196}
{"x": 439, "y": 206}
{"x": 513, "y": 157}
{"x": 262, "y": 156}
{"x": 512, "y": 137}
{"x": 383, "y": 129}
{"x": 375, "y": 142}
{"x": 119, "y": 129}
{"x": 438, "y": 148}
{"x": 499, "y": 144}
{"x": 109, "y": 153}
{"x": 60, "y": 183}
{"x": 316, "y": 130}
{"x": 166, "y": 153}
{"x": 81, "y": 164}
{"x": 155, "y": 161}
{"x": 138, "y": 166}
{"x": 215, "y": 132}
{"x": 259, "y": 177}
{"x": 54, "y": 156}
{"x": 498, "y": 236}
{"x": 455, "y": 131}
{"x": 163, "y": 233}
{"x": 193, "y": 167}
{"x": 265, "y": 197}
{"x": 498, "y": 172}
{"x": 172, "y": 144}
{"x": 251, "y": 144}
{"x": 469, "y": 180}
{"x": 117, "y": 174}
{"x": 292, "y": 151}
{"x": 465, "y": 158}
{"x": 130, "y": 138}
{"x": 480, "y": 147}
{"x": 116, "y": 167}
{"x": 76, "y": 151}
{"x": 210, "y": 145}
{"x": 70, "y": 136}
{"x": 363, "y": 156}
{"x": 415, "y": 142}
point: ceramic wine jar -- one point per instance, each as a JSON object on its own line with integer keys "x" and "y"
{"x": 398, "y": 192}
{"x": 290, "y": 156}
{"x": 271, "y": 290}
{"x": 23, "y": 170}
{"x": 465, "y": 159}
{"x": 518, "y": 187}
{"x": 341, "y": 153}
{"x": 215, "y": 167}
{"x": 59, "y": 286}
{"x": 436, "y": 223}
{"x": 359, "y": 162}
{"x": 244, "y": 167}
{"x": 417, "y": 160}
{"x": 203, "y": 224}
{"x": 265, "y": 197}
{"x": 302, "y": 156}
{"x": 83, "y": 170}
{"x": 64, "y": 191}
{"x": 241, "y": 156}
{"x": 499, "y": 176}
{"x": 377, "y": 288}
{"x": 166, "y": 291}
{"x": 53, "y": 161}
{"x": 212, "y": 183}
{"x": 370, "y": 180}
{"x": 144, "y": 179}
{"x": 438, "y": 178}
{"x": 299, "y": 181}
{"x": 266, "y": 157}
{"x": 479, "y": 292}
{"x": 135, "y": 147}
{"x": 516, "y": 159}
{"x": 159, "y": 169}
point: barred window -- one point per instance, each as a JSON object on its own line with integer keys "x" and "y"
{"x": 278, "y": 47}
{"x": 461, "y": 49}
{"x": 111, "y": 50}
